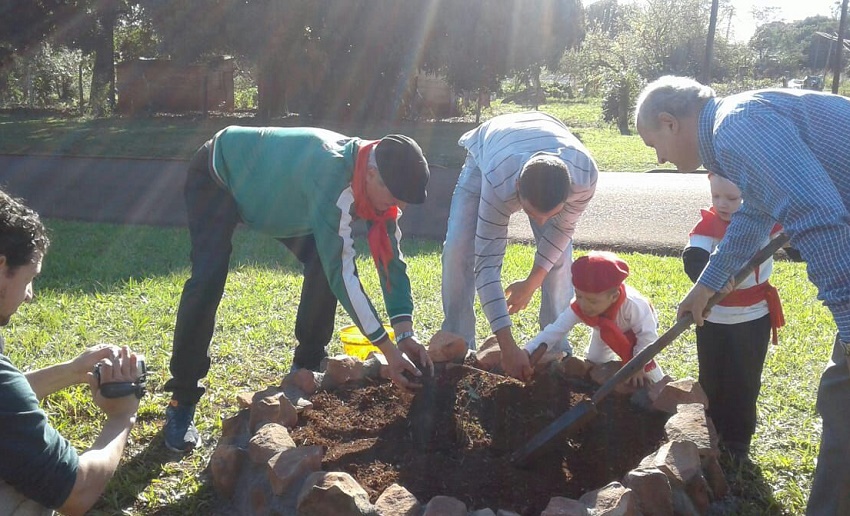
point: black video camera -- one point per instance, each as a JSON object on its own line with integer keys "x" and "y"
{"x": 121, "y": 389}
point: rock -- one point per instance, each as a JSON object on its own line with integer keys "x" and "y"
{"x": 445, "y": 346}
{"x": 682, "y": 503}
{"x": 483, "y": 512}
{"x": 445, "y": 506}
{"x": 397, "y": 501}
{"x": 679, "y": 460}
{"x": 560, "y": 506}
{"x": 293, "y": 465}
{"x": 678, "y": 392}
{"x": 383, "y": 365}
{"x": 304, "y": 379}
{"x": 698, "y": 491}
{"x": 341, "y": 369}
{"x": 333, "y": 492}
{"x": 611, "y": 500}
{"x": 244, "y": 399}
{"x": 225, "y": 467}
{"x": 689, "y": 423}
{"x": 575, "y": 367}
{"x": 265, "y": 393}
{"x": 235, "y": 428}
{"x": 269, "y": 440}
{"x": 259, "y": 498}
{"x": 651, "y": 490}
{"x": 601, "y": 373}
{"x": 647, "y": 462}
{"x": 715, "y": 477}
{"x": 372, "y": 366}
{"x": 503, "y": 512}
{"x": 489, "y": 356}
{"x": 272, "y": 409}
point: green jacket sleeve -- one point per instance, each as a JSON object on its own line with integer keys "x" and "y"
{"x": 332, "y": 229}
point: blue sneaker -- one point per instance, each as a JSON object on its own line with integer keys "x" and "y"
{"x": 180, "y": 432}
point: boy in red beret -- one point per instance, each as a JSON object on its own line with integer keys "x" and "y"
{"x": 622, "y": 320}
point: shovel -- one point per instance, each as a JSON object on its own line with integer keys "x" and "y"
{"x": 578, "y": 416}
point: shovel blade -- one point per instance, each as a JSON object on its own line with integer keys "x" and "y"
{"x": 569, "y": 421}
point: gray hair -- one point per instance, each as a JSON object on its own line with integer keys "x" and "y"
{"x": 679, "y": 96}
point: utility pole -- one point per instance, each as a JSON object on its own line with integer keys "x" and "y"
{"x": 836, "y": 68}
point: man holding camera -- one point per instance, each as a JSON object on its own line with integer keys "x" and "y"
{"x": 40, "y": 470}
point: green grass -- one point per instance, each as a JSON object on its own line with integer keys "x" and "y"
{"x": 104, "y": 283}
{"x": 178, "y": 137}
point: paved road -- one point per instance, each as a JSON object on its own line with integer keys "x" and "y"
{"x": 630, "y": 212}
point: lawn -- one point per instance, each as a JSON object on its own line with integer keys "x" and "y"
{"x": 121, "y": 284}
{"x": 180, "y": 136}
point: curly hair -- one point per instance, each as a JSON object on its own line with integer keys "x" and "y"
{"x": 22, "y": 235}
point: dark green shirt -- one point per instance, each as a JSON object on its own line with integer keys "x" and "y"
{"x": 36, "y": 460}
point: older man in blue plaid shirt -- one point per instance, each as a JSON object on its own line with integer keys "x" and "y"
{"x": 789, "y": 153}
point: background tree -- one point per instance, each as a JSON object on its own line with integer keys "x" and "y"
{"x": 89, "y": 26}
{"x": 709, "y": 45}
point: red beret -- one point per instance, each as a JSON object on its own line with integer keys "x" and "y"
{"x": 599, "y": 271}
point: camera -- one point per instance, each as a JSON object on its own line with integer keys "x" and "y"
{"x": 121, "y": 389}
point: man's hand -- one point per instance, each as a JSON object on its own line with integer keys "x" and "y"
{"x": 414, "y": 349}
{"x": 518, "y": 295}
{"x": 514, "y": 360}
{"x": 695, "y": 303}
{"x": 398, "y": 364}
{"x": 121, "y": 368}
{"x": 85, "y": 362}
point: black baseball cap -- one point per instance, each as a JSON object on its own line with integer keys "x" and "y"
{"x": 403, "y": 168}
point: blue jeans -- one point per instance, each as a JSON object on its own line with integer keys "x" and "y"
{"x": 458, "y": 289}
{"x": 831, "y": 486}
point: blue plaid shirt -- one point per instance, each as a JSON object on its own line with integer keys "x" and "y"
{"x": 789, "y": 153}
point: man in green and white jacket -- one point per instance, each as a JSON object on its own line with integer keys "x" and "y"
{"x": 304, "y": 187}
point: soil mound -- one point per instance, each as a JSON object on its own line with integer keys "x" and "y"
{"x": 456, "y": 437}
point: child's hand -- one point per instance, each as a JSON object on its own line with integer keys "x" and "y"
{"x": 639, "y": 379}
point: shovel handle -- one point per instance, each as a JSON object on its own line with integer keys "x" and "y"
{"x": 538, "y": 354}
{"x": 641, "y": 359}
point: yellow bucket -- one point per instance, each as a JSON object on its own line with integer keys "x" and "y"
{"x": 356, "y": 345}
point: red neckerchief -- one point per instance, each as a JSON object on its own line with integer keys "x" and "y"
{"x": 711, "y": 225}
{"x": 623, "y": 343}
{"x": 378, "y": 238}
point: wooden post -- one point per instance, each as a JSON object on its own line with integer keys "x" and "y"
{"x": 80, "y": 85}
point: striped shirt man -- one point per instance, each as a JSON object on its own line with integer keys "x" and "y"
{"x": 500, "y": 147}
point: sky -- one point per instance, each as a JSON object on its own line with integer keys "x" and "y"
{"x": 743, "y": 25}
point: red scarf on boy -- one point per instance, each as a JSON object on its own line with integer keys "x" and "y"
{"x": 378, "y": 238}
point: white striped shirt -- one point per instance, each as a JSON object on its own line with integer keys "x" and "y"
{"x": 500, "y": 147}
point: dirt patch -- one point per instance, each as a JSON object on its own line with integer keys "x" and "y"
{"x": 478, "y": 420}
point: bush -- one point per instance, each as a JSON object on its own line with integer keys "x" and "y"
{"x": 245, "y": 99}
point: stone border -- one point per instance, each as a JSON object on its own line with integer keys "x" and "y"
{"x": 260, "y": 469}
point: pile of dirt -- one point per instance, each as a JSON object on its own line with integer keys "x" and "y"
{"x": 472, "y": 421}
